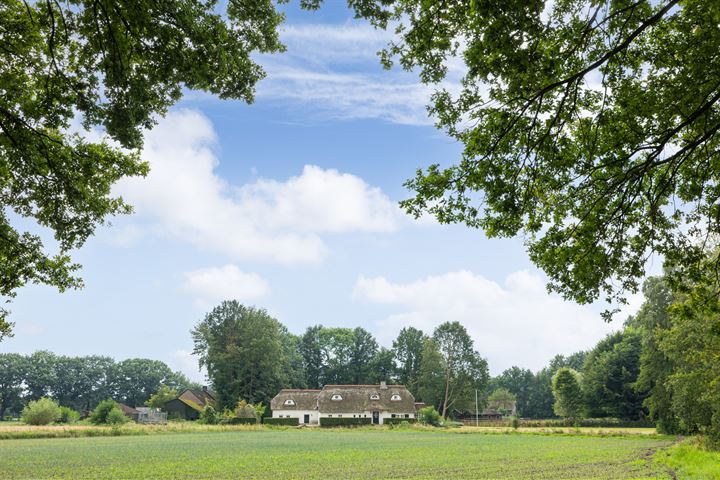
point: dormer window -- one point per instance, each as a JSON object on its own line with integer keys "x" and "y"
{"x": 374, "y": 396}
{"x": 289, "y": 402}
{"x": 395, "y": 398}
{"x": 336, "y": 397}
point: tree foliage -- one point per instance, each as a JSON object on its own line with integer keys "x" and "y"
{"x": 407, "y": 348}
{"x": 568, "y": 394}
{"x": 242, "y": 348}
{"x": 116, "y": 64}
{"x": 41, "y": 412}
{"x": 590, "y": 128}
{"x": 12, "y": 372}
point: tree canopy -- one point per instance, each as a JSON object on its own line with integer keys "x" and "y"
{"x": 590, "y": 128}
{"x": 116, "y": 64}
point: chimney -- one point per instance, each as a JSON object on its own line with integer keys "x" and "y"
{"x": 204, "y": 388}
{"x": 383, "y": 385}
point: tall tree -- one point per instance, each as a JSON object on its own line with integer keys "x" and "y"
{"x": 12, "y": 373}
{"x": 363, "y": 353}
{"x": 465, "y": 370}
{"x": 520, "y": 382}
{"x": 40, "y": 374}
{"x": 590, "y": 128}
{"x": 432, "y": 375}
{"x": 568, "y": 394}
{"x": 242, "y": 348}
{"x": 407, "y": 348}
{"x": 382, "y": 367}
{"x": 311, "y": 350}
{"x": 116, "y": 64}
{"x": 610, "y": 377}
{"x": 134, "y": 380}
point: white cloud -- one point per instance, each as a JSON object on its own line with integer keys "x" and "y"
{"x": 516, "y": 323}
{"x": 187, "y": 363}
{"x": 210, "y": 285}
{"x": 278, "y": 221}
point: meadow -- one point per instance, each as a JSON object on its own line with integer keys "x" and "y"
{"x": 338, "y": 454}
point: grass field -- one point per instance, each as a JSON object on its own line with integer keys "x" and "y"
{"x": 335, "y": 454}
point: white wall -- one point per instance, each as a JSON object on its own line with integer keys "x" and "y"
{"x": 383, "y": 415}
{"x": 299, "y": 414}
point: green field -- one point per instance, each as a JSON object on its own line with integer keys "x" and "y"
{"x": 334, "y": 454}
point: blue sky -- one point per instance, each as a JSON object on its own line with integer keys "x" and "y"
{"x": 291, "y": 204}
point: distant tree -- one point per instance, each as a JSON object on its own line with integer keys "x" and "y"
{"x": 161, "y": 397}
{"x": 40, "y": 374}
{"x": 502, "y": 400}
{"x": 465, "y": 370}
{"x": 432, "y": 375}
{"x": 99, "y": 415}
{"x": 294, "y": 375}
{"x": 566, "y": 386}
{"x": 12, "y": 373}
{"x": 41, "y": 412}
{"x": 134, "y": 380}
{"x": 520, "y": 382}
{"x": 311, "y": 351}
{"x": 407, "y": 348}
{"x": 363, "y": 351}
{"x": 382, "y": 367}
{"x": 242, "y": 348}
{"x": 610, "y": 375}
{"x": 117, "y": 65}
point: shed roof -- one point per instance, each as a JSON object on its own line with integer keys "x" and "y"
{"x": 357, "y": 399}
{"x": 303, "y": 399}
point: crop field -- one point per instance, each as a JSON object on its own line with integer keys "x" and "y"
{"x": 334, "y": 454}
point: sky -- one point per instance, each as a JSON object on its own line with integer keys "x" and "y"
{"x": 291, "y": 204}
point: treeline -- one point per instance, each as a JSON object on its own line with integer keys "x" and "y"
{"x": 250, "y": 355}
{"x": 80, "y": 382}
{"x": 663, "y": 366}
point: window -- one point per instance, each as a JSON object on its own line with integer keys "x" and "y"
{"x": 395, "y": 398}
{"x": 336, "y": 397}
{"x": 374, "y": 396}
{"x": 393, "y": 415}
{"x": 340, "y": 415}
{"x": 330, "y": 415}
{"x": 290, "y": 402}
{"x": 407, "y": 416}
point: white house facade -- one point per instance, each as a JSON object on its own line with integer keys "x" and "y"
{"x": 376, "y": 402}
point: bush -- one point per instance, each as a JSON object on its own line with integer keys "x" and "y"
{"x": 429, "y": 416}
{"x": 100, "y": 414}
{"x": 209, "y": 415}
{"x": 68, "y": 415}
{"x": 116, "y": 416}
{"x": 398, "y": 421}
{"x": 515, "y": 423}
{"x": 41, "y": 412}
{"x": 292, "y": 422}
{"x": 344, "y": 422}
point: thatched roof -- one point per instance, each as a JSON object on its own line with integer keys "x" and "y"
{"x": 359, "y": 398}
{"x": 302, "y": 399}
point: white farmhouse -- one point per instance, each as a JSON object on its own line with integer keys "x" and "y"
{"x": 375, "y": 402}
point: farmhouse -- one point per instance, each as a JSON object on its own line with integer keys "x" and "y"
{"x": 189, "y": 404}
{"x": 375, "y": 402}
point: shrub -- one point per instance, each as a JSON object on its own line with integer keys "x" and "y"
{"x": 68, "y": 415}
{"x": 41, "y": 412}
{"x": 429, "y": 416}
{"x": 209, "y": 415}
{"x": 100, "y": 414}
{"x": 515, "y": 423}
{"x": 292, "y": 422}
{"x": 116, "y": 416}
{"x": 344, "y": 422}
{"x": 398, "y": 421}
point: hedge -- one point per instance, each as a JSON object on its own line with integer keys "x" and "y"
{"x": 398, "y": 421}
{"x": 344, "y": 422}
{"x": 240, "y": 421}
{"x": 293, "y": 422}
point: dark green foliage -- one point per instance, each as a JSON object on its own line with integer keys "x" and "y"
{"x": 568, "y": 394}
{"x": 291, "y": 422}
{"x": 568, "y": 112}
{"x": 432, "y": 375}
{"x": 68, "y": 415}
{"x": 115, "y": 64}
{"x": 344, "y": 422}
{"x": 41, "y": 412}
{"x": 520, "y": 382}
{"x": 408, "y": 348}
{"x": 99, "y": 415}
{"x": 243, "y": 350}
{"x": 398, "y": 421}
{"x": 12, "y": 373}
{"x": 610, "y": 375}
